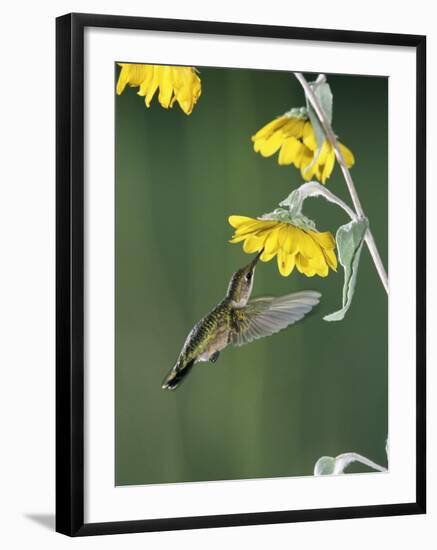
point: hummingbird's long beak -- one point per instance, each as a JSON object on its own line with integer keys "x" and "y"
{"x": 255, "y": 260}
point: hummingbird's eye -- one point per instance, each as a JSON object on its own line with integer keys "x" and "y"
{"x": 248, "y": 276}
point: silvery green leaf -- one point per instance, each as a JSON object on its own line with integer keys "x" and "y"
{"x": 323, "y": 93}
{"x": 294, "y": 201}
{"x": 349, "y": 238}
{"x": 327, "y": 465}
{"x": 296, "y": 198}
{"x": 324, "y": 466}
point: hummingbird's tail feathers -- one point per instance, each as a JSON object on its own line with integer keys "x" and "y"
{"x": 265, "y": 316}
{"x": 177, "y": 375}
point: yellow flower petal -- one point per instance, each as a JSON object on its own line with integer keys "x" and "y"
{"x": 309, "y": 267}
{"x": 236, "y": 221}
{"x": 324, "y": 239}
{"x": 307, "y": 171}
{"x": 267, "y": 130}
{"x": 252, "y": 227}
{"x": 347, "y": 155}
{"x": 245, "y": 229}
{"x": 294, "y": 127}
{"x": 149, "y": 92}
{"x": 322, "y": 270}
{"x": 309, "y": 137}
{"x": 237, "y": 238}
{"x": 324, "y": 152}
{"x": 268, "y": 147}
{"x": 165, "y": 87}
{"x": 291, "y": 151}
{"x": 286, "y": 263}
{"x": 308, "y": 246}
{"x": 331, "y": 258}
{"x": 271, "y": 245}
{"x": 187, "y": 88}
{"x": 267, "y": 256}
{"x": 132, "y": 74}
{"x": 147, "y": 78}
{"x": 304, "y": 266}
{"x": 288, "y": 239}
{"x": 318, "y": 260}
{"x": 123, "y": 79}
{"x": 329, "y": 166}
{"x": 254, "y": 243}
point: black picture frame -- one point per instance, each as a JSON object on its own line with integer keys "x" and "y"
{"x": 70, "y": 273}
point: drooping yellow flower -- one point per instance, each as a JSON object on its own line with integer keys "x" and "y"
{"x": 295, "y": 140}
{"x": 310, "y": 251}
{"x": 181, "y": 84}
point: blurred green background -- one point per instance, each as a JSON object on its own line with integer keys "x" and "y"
{"x": 274, "y": 407}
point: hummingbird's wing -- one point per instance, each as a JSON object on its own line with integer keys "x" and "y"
{"x": 265, "y": 316}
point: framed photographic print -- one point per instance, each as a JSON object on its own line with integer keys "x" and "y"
{"x": 240, "y": 274}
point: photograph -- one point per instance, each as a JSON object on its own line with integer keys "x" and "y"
{"x": 251, "y": 285}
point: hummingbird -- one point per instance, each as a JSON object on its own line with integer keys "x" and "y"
{"x": 237, "y": 320}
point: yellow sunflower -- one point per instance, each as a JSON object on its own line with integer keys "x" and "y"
{"x": 295, "y": 139}
{"x": 181, "y": 84}
{"x": 310, "y": 251}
